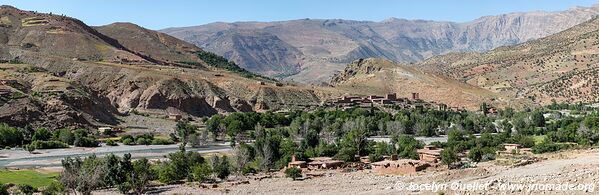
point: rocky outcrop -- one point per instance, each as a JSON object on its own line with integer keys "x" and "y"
{"x": 72, "y": 75}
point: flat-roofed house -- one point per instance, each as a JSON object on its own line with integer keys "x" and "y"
{"x": 399, "y": 167}
{"x": 430, "y": 154}
{"x": 296, "y": 163}
{"x": 324, "y": 163}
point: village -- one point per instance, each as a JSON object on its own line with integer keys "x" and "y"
{"x": 428, "y": 157}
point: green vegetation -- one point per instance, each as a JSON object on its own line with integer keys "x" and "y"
{"x": 28, "y": 177}
{"x": 221, "y": 62}
{"x": 42, "y": 138}
{"x": 267, "y": 141}
{"x": 293, "y": 173}
{"x": 143, "y": 139}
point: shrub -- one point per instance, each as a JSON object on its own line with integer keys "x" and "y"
{"x": 449, "y": 156}
{"x": 201, "y": 172}
{"x": 476, "y": 154}
{"x": 10, "y": 136}
{"x": 162, "y": 141}
{"x": 48, "y": 144}
{"x": 26, "y": 189}
{"x": 247, "y": 169}
{"x": 375, "y": 157}
{"x": 65, "y": 135}
{"x": 127, "y": 140}
{"x": 41, "y": 134}
{"x": 111, "y": 143}
{"x": 293, "y": 173}
{"x": 142, "y": 141}
{"x": 222, "y": 167}
{"x": 3, "y": 189}
{"x": 547, "y": 146}
{"x": 81, "y": 141}
{"x": 167, "y": 174}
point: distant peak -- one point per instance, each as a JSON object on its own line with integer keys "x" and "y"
{"x": 8, "y": 7}
{"x": 391, "y": 19}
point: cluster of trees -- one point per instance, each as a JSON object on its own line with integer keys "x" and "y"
{"x": 336, "y": 123}
{"x": 42, "y": 138}
{"x": 134, "y": 176}
{"x": 221, "y": 62}
{"x": 91, "y": 173}
{"x": 144, "y": 139}
{"x": 342, "y": 134}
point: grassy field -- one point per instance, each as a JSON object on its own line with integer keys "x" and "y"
{"x": 29, "y": 177}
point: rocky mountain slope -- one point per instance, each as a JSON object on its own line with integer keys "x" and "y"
{"x": 312, "y": 50}
{"x": 119, "y": 69}
{"x": 562, "y": 67}
{"x": 381, "y": 76}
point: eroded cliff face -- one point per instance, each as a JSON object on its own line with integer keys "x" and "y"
{"x": 73, "y": 75}
{"x": 91, "y": 94}
{"x": 194, "y": 92}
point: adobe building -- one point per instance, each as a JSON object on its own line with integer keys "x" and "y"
{"x": 296, "y": 163}
{"x": 430, "y": 154}
{"x": 510, "y": 147}
{"x": 399, "y": 167}
{"x": 514, "y": 148}
{"x": 174, "y": 116}
{"x": 391, "y": 96}
{"x": 324, "y": 163}
{"x": 416, "y": 96}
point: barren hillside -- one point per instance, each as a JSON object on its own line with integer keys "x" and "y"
{"x": 562, "y": 67}
{"x": 379, "y": 76}
{"x": 117, "y": 69}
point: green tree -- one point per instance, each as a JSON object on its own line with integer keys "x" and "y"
{"x": 293, "y": 173}
{"x": 141, "y": 176}
{"x": 537, "y": 119}
{"x": 64, "y": 135}
{"x": 222, "y": 167}
{"x": 352, "y": 144}
{"x": 484, "y": 108}
{"x": 184, "y": 129}
{"x": 213, "y": 125}
{"x": 475, "y": 154}
{"x": 449, "y": 156}
{"x": 41, "y": 134}
{"x": 201, "y": 172}
{"x": 406, "y": 146}
{"x": 10, "y": 136}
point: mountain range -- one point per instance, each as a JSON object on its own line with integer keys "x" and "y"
{"x": 56, "y": 71}
{"x": 60, "y": 72}
{"x": 312, "y": 50}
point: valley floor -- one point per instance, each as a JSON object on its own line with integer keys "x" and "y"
{"x": 578, "y": 167}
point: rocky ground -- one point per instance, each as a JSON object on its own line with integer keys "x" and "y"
{"x": 579, "y": 167}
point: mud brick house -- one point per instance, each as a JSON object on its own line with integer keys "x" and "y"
{"x": 416, "y": 96}
{"x": 324, "y": 163}
{"x": 517, "y": 148}
{"x": 399, "y": 167}
{"x": 296, "y": 163}
{"x": 430, "y": 154}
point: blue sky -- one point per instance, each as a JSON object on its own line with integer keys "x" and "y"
{"x": 158, "y": 14}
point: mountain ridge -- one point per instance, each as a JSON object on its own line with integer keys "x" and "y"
{"x": 342, "y": 41}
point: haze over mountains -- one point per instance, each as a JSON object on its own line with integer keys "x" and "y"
{"x": 312, "y": 50}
